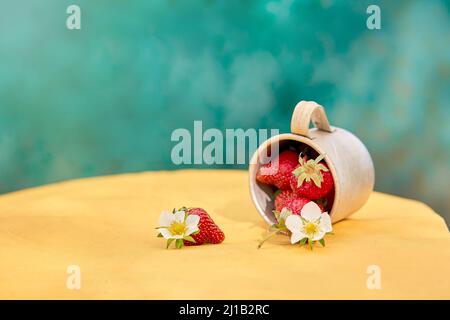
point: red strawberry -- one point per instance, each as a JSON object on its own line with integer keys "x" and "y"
{"x": 282, "y": 198}
{"x": 288, "y": 199}
{"x": 265, "y": 174}
{"x": 209, "y": 232}
{"x": 296, "y": 204}
{"x": 312, "y": 179}
{"x": 279, "y": 171}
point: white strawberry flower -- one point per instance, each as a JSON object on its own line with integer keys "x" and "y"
{"x": 312, "y": 225}
{"x": 178, "y": 226}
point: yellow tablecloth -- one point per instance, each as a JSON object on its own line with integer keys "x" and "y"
{"x": 105, "y": 226}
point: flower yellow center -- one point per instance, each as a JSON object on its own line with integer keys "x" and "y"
{"x": 177, "y": 228}
{"x": 311, "y": 228}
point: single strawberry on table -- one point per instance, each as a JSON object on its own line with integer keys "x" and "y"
{"x": 188, "y": 226}
{"x": 208, "y": 232}
{"x": 279, "y": 171}
{"x": 312, "y": 178}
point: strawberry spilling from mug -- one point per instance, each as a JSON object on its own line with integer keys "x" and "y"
{"x": 305, "y": 188}
{"x": 299, "y": 179}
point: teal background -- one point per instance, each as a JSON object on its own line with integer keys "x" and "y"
{"x": 105, "y": 99}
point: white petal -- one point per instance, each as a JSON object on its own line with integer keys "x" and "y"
{"x": 192, "y": 220}
{"x": 177, "y": 236}
{"x": 165, "y": 233}
{"x": 165, "y": 219}
{"x": 191, "y": 229}
{"x": 293, "y": 223}
{"x": 285, "y": 212}
{"x": 179, "y": 216}
{"x": 325, "y": 222}
{"x": 319, "y": 235}
{"x": 311, "y": 211}
{"x": 297, "y": 236}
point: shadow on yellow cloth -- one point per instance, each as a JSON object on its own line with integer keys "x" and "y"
{"x": 106, "y": 226}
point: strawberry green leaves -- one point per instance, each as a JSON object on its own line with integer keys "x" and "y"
{"x": 310, "y": 170}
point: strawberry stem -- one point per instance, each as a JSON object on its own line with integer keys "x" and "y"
{"x": 270, "y": 235}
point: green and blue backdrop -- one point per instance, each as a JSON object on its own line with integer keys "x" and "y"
{"x": 105, "y": 99}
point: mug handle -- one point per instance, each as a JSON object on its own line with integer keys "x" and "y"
{"x": 304, "y": 112}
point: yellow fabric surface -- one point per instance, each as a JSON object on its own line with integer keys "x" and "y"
{"x": 106, "y": 226}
